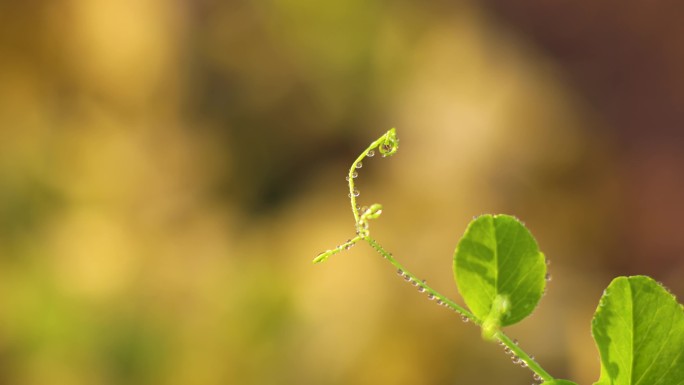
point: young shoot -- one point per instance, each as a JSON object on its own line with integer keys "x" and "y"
{"x": 501, "y": 275}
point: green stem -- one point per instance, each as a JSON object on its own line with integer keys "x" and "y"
{"x": 500, "y": 335}
{"x": 420, "y": 283}
{"x": 529, "y": 361}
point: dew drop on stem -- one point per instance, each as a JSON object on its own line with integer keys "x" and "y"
{"x": 370, "y": 154}
{"x": 359, "y": 165}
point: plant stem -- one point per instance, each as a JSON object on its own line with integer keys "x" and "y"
{"x": 531, "y": 363}
{"x": 500, "y": 335}
{"x": 421, "y": 283}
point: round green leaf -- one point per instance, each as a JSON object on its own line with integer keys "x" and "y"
{"x": 639, "y": 330}
{"x": 496, "y": 259}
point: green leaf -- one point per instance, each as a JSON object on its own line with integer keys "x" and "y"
{"x": 496, "y": 259}
{"x": 639, "y": 330}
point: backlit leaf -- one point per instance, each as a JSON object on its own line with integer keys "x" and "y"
{"x": 496, "y": 259}
{"x": 639, "y": 330}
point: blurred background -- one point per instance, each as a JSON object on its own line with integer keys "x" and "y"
{"x": 168, "y": 169}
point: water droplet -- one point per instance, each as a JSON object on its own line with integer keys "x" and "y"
{"x": 355, "y": 174}
{"x": 400, "y": 272}
{"x": 370, "y": 154}
{"x": 465, "y": 319}
{"x": 414, "y": 283}
{"x": 439, "y": 302}
{"x": 548, "y": 262}
{"x": 359, "y": 165}
{"x": 421, "y": 289}
{"x": 349, "y": 245}
{"x": 523, "y": 364}
{"x": 431, "y": 296}
{"x": 536, "y": 377}
{"x": 515, "y": 341}
{"x": 515, "y": 360}
{"x": 407, "y": 277}
{"x": 548, "y": 277}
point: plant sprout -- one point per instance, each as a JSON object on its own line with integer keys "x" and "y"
{"x": 501, "y": 275}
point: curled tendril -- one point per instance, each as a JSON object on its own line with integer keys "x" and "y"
{"x": 389, "y": 144}
{"x": 372, "y": 212}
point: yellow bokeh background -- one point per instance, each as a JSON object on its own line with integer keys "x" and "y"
{"x": 168, "y": 170}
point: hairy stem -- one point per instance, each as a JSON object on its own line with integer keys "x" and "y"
{"x": 522, "y": 355}
{"x": 500, "y": 335}
{"x": 432, "y": 293}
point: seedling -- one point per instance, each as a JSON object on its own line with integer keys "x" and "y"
{"x": 501, "y": 275}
